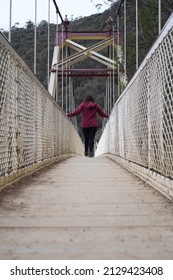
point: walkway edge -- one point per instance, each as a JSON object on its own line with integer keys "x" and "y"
{"x": 157, "y": 181}
{"x": 9, "y": 180}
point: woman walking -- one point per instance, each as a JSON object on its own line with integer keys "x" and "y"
{"x": 89, "y": 109}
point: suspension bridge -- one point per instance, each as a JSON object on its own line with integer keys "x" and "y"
{"x": 58, "y": 204}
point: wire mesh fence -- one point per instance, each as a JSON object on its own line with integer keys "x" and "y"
{"x": 140, "y": 129}
{"x": 33, "y": 129}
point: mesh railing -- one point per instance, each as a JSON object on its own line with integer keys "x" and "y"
{"x": 33, "y": 129}
{"x": 139, "y": 133}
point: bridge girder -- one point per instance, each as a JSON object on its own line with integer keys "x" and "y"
{"x": 66, "y": 39}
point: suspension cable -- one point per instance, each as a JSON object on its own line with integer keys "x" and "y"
{"x": 125, "y": 39}
{"x": 118, "y": 10}
{"x": 110, "y": 85}
{"x": 48, "y": 45}
{"x": 58, "y": 11}
{"x": 56, "y": 77}
{"x": 69, "y": 97}
{"x": 108, "y": 89}
{"x": 137, "y": 49}
{"x": 118, "y": 43}
{"x": 66, "y": 82}
{"x": 113, "y": 46}
{"x": 9, "y": 33}
{"x": 159, "y": 16}
{"x": 62, "y": 78}
{"x": 35, "y": 38}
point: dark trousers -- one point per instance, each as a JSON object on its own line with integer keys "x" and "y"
{"x": 89, "y": 135}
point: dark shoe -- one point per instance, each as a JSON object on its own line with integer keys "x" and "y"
{"x": 91, "y": 154}
{"x": 86, "y": 154}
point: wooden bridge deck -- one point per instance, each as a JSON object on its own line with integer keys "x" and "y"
{"x": 85, "y": 208}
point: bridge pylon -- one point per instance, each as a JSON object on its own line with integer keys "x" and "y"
{"x": 69, "y": 51}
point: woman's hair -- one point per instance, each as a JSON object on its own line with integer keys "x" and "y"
{"x": 89, "y": 98}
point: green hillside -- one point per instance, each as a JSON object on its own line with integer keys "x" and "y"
{"x": 23, "y": 41}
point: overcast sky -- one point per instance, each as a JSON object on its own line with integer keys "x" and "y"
{"x": 24, "y": 10}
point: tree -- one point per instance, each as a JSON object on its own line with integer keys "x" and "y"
{"x": 29, "y": 25}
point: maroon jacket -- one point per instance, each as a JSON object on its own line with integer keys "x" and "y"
{"x": 89, "y": 113}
